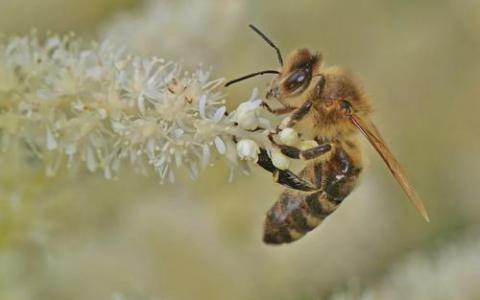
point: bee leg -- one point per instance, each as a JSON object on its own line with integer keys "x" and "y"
{"x": 341, "y": 176}
{"x": 307, "y": 154}
{"x": 303, "y": 110}
{"x": 278, "y": 111}
{"x": 296, "y": 153}
{"x": 284, "y": 177}
{"x": 299, "y": 114}
{"x": 291, "y": 180}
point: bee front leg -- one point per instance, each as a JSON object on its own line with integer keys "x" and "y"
{"x": 297, "y": 153}
{"x": 298, "y": 114}
{"x": 278, "y": 111}
{"x": 285, "y": 177}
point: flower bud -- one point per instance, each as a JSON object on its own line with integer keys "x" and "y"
{"x": 279, "y": 160}
{"x": 248, "y": 150}
{"x": 288, "y": 136}
{"x": 246, "y": 116}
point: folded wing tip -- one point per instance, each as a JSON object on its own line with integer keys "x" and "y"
{"x": 425, "y": 216}
{"x": 371, "y": 133}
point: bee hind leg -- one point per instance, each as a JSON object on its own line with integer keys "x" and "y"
{"x": 307, "y": 154}
{"x": 285, "y": 177}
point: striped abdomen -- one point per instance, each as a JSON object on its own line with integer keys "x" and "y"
{"x": 297, "y": 212}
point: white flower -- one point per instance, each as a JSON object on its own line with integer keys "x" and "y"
{"x": 279, "y": 160}
{"x": 288, "y": 136}
{"x": 248, "y": 150}
{"x": 248, "y": 115}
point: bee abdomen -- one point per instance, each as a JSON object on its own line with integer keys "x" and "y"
{"x": 295, "y": 214}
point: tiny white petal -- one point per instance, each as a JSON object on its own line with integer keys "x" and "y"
{"x": 107, "y": 173}
{"x": 205, "y": 155}
{"x": 102, "y": 113}
{"x": 231, "y": 176}
{"x": 203, "y": 75}
{"x": 254, "y": 104}
{"x": 159, "y": 162}
{"x": 51, "y": 141}
{"x": 141, "y": 103}
{"x": 90, "y": 159}
{"x": 219, "y": 114}
{"x": 288, "y": 136}
{"x": 220, "y": 145}
{"x": 70, "y": 149}
{"x": 178, "y": 132}
{"x": 254, "y": 94}
{"x": 202, "y": 102}
{"x": 163, "y": 171}
{"x": 118, "y": 127}
{"x": 193, "y": 171}
{"x": 150, "y": 147}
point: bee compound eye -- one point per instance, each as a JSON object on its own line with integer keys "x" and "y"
{"x": 296, "y": 79}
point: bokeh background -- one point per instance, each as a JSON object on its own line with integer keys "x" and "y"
{"x": 84, "y": 237}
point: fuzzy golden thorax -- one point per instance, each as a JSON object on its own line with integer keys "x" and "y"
{"x": 302, "y": 78}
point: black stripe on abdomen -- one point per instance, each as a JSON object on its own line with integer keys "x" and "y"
{"x": 292, "y": 216}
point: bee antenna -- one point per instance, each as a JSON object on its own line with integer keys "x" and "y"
{"x": 279, "y": 54}
{"x": 251, "y": 75}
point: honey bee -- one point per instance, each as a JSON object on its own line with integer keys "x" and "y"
{"x": 328, "y": 105}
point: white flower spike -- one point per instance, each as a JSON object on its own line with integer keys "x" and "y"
{"x": 102, "y": 108}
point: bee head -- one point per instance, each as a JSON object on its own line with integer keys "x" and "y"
{"x": 295, "y": 76}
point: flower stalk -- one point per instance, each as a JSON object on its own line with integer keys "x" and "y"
{"x": 100, "y": 108}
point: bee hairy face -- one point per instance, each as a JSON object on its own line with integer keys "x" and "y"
{"x": 295, "y": 76}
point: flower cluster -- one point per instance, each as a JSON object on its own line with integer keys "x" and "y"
{"x": 99, "y": 107}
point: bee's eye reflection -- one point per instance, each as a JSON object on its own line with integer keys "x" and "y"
{"x": 296, "y": 79}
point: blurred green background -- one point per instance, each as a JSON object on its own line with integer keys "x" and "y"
{"x": 83, "y": 237}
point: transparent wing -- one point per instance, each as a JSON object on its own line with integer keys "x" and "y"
{"x": 368, "y": 129}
